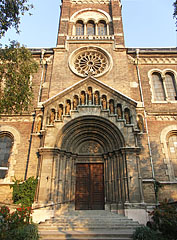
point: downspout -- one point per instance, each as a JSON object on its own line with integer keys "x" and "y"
{"x": 29, "y": 148}
{"x": 145, "y": 115}
{"x": 42, "y": 75}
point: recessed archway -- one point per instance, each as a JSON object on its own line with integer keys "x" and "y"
{"x": 90, "y": 143}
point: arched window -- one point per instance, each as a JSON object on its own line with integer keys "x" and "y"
{"x": 172, "y": 150}
{"x": 90, "y": 28}
{"x": 6, "y": 143}
{"x": 158, "y": 88}
{"x": 170, "y": 86}
{"x": 102, "y": 28}
{"x": 79, "y": 28}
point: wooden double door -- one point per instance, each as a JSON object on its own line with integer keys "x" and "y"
{"x": 89, "y": 186}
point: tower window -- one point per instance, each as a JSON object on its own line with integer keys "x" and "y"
{"x": 79, "y": 28}
{"x": 102, "y": 28}
{"x": 6, "y": 143}
{"x": 90, "y": 28}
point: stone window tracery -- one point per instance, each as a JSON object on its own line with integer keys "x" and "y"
{"x": 93, "y": 61}
{"x": 90, "y": 62}
{"x": 6, "y": 143}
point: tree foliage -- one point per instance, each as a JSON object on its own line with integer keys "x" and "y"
{"x": 10, "y": 11}
{"x": 175, "y": 10}
{"x": 16, "y": 69}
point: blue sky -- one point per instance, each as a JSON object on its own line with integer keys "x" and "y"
{"x": 147, "y": 23}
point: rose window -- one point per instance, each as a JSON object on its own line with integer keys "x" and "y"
{"x": 90, "y": 61}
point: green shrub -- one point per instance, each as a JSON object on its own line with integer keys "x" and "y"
{"x": 23, "y": 193}
{"x": 165, "y": 220}
{"x": 17, "y": 225}
{"x": 26, "y": 232}
{"x": 145, "y": 233}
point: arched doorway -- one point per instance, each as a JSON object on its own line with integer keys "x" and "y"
{"x": 91, "y": 166}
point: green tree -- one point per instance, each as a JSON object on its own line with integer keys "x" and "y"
{"x": 17, "y": 67}
{"x": 175, "y": 11}
{"x": 10, "y": 11}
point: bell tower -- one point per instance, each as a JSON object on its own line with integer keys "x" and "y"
{"x": 78, "y": 17}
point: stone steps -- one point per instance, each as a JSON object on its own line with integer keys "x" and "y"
{"x": 88, "y": 225}
{"x": 55, "y": 235}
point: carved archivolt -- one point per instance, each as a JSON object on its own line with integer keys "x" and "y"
{"x": 90, "y": 61}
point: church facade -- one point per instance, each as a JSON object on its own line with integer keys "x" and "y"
{"x": 104, "y": 126}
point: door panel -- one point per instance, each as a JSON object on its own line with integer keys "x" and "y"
{"x": 89, "y": 186}
{"x": 82, "y": 186}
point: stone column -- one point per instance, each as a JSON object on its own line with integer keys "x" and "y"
{"x": 140, "y": 179}
{"x": 57, "y": 181}
{"x": 125, "y": 177}
{"x": 118, "y": 179}
{"x": 46, "y": 176}
{"x": 106, "y": 177}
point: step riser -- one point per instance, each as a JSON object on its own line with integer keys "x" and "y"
{"x": 88, "y": 225}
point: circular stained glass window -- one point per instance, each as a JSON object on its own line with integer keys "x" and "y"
{"x": 90, "y": 61}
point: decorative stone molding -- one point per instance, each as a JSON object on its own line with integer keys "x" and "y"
{"x": 166, "y": 118}
{"x": 157, "y": 60}
{"x": 76, "y": 38}
{"x": 90, "y": 13}
{"x": 90, "y": 61}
